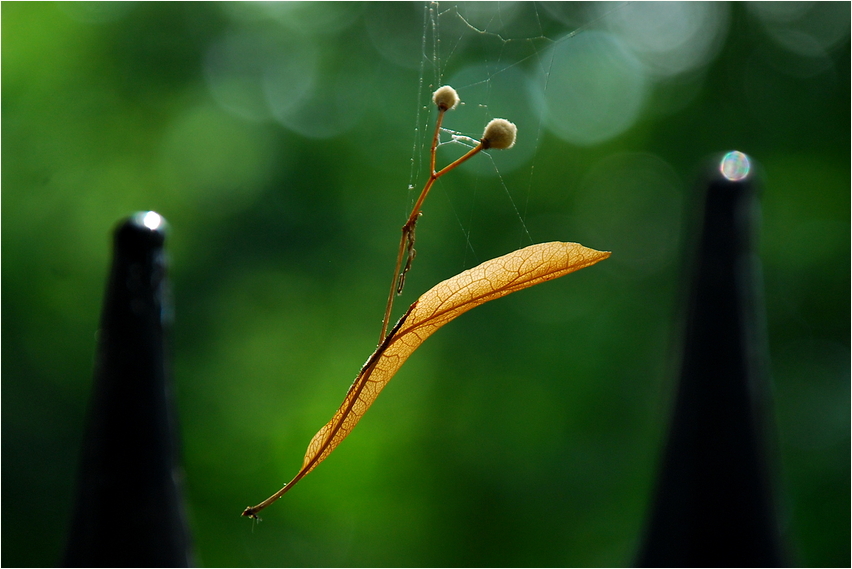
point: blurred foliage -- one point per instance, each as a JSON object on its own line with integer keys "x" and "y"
{"x": 279, "y": 141}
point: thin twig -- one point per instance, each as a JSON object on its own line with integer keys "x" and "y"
{"x": 406, "y": 242}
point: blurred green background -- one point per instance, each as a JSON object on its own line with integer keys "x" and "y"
{"x": 280, "y": 141}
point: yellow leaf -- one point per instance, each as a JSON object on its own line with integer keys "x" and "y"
{"x": 443, "y": 302}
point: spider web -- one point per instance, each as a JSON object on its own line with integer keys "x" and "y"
{"x": 512, "y": 47}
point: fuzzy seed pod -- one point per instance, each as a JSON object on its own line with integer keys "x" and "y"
{"x": 499, "y": 134}
{"x": 445, "y": 98}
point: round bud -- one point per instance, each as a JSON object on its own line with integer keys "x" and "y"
{"x": 445, "y": 98}
{"x": 500, "y": 134}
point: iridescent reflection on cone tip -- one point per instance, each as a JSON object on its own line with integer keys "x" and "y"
{"x": 735, "y": 166}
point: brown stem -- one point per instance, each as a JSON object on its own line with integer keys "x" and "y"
{"x": 435, "y": 138}
{"x": 470, "y": 153}
{"x": 406, "y": 241}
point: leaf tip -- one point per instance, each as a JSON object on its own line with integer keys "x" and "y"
{"x": 250, "y": 512}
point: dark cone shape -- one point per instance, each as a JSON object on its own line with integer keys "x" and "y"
{"x": 714, "y": 498}
{"x": 129, "y": 511}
